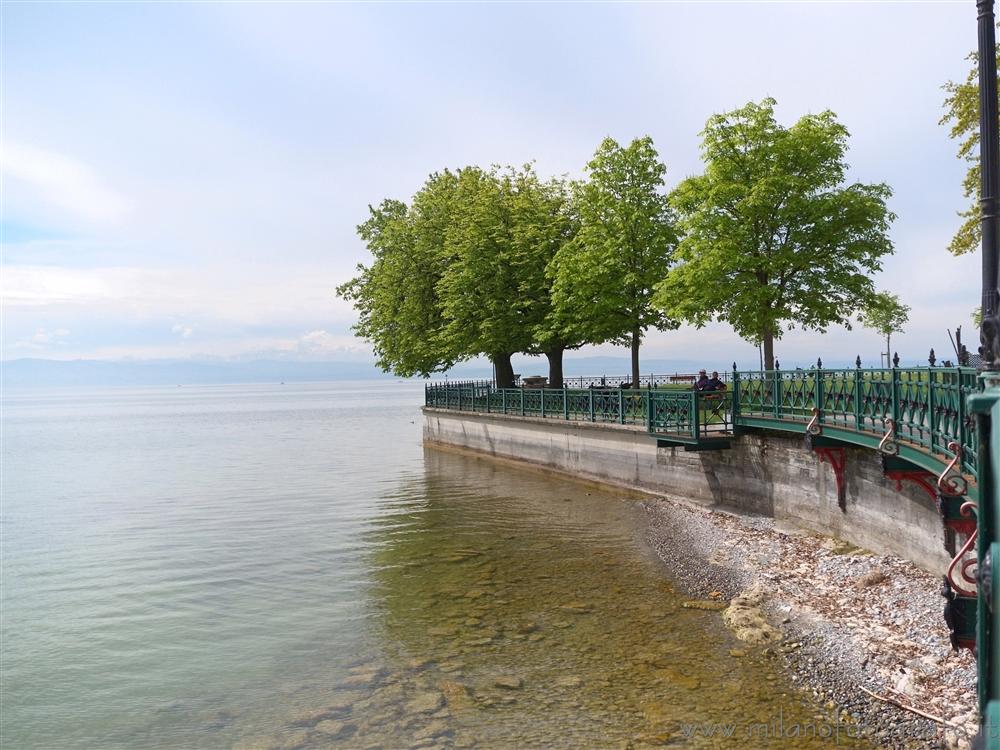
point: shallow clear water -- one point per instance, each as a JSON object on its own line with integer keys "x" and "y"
{"x": 286, "y": 566}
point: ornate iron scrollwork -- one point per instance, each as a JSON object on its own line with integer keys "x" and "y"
{"x": 959, "y": 576}
{"x": 813, "y": 428}
{"x": 951, "y": 482}
{"x": 888, "y": 445}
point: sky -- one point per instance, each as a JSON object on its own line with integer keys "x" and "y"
{"x": 183, "y": 180}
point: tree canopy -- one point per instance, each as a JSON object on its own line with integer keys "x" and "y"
{"x": 887, "y": 315}
{"x": 506, "y": 227}
{"x": 603, "y": 279}
{"x": 462, "y": 272}
{"x": 397, "y": 299}
{"x": 962, "y": 114}
{"x": 771, "y": 235}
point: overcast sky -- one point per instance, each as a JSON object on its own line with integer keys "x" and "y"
{"x": 185, "y": 179}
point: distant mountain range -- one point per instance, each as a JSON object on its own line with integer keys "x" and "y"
{"x": 88, "y": 372}
{"x": 47, "y": 372}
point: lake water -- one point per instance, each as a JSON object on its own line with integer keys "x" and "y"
{"x": 285, "y": 566}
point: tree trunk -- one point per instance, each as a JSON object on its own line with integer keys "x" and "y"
{"x": 888, "y": 349}
{"x": 505, "y": 371}
{"x": 555, "y": 357}
{"x": 636, "y": 338}
{"x": 768, "y": 338}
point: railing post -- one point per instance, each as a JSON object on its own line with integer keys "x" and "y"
{"x": 894, "y": 392}
{"x": 541, "y": 400}
{"x": 819, "y": 388}
{"x": 649, "y": 412}
{"x": 503, "y": 399}
{"x": 962, "y": 432}
{"x": 736, "y": 396}
{"x": 591, "y": 392}
{"x": 565, "y": 404}
{"x": 697, "y": 416}
{"x": 522, "y": 401}
{"x": 621, "y": 406}
{"x": 859, "y": 394}
{"x": 931, "y": 411}
{"x": 776, "y": 390}
{"x": 489, "y": 396}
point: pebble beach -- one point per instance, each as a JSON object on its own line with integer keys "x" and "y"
{"x": 840, "y": 619}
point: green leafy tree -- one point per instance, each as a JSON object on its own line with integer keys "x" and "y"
{"x": 505, "y": 228}
{"x": 772, "y": 236}
{"x": 462, "y": 272}
{"x": 962, "y": 114}
{"x": 396, "y": 297}
{"x": 556, "y": 223}
{"x": 602, "y": 280}
{"x": 887, "y": 315}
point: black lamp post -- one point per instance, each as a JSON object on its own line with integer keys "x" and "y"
{"x": 989, "y": 157}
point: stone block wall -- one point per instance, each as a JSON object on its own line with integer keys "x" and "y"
{"x": 770, "y": 474}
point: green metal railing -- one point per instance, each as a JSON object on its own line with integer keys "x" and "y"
{"x": 923, "y": 409}
{"x": 927, "y": 405}
{"x": 606, "y": 405}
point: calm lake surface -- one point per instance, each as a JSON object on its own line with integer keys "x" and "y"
{"x": 285, "y": 566}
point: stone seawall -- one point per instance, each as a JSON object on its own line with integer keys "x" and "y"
{"x": 769, "y": 474}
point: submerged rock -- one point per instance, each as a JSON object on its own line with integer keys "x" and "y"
{"x": 425, "y": 703}
{"x": 335, "y": 729}
{"x": 436, "y": 728}
{"x": 746, "y": 619}
{"x": 509, "y": 683}
{"x": 292, "y": 740}
{"x": 360, "y": 680}
{"x": 485, "y": 641}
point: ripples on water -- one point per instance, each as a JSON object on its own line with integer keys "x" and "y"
{"x": 285, "y": 566}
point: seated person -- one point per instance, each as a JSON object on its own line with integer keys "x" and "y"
{"x": 714, "y": 384}
{"x": 701, "y": 384}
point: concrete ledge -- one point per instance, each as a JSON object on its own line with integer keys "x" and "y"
{"x": 762, "y": 473}
{"x": 580, "y": 424}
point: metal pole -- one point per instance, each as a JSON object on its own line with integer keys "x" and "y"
{"x": 989, "y": 157}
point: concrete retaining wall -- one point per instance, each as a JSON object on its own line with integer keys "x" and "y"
{"x": 772, "y": 475}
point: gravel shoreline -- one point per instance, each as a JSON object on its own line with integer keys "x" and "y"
{"x": 848, "y": 618}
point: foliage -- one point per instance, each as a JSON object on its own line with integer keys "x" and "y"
{"x": 602, "y": 280}
{"x": 505, "y": 228}
{"x": 772, "y": 237}
{"x": 396, "y": 297}
{"x": 463, "y": 271}
{"x": 962, "y": 113}
{"x": 886, "y": 314}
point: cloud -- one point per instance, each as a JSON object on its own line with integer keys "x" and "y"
{"x": 324, "y": 343}
{"x": 291, "y": 295}
{"x": 43, "y": 339}
{"x": 184, "y": 331}
{"x": 61, "y": 182}
{"x": 27, "y": 286}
